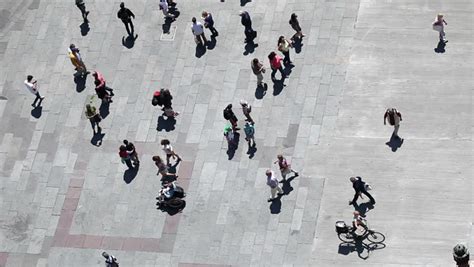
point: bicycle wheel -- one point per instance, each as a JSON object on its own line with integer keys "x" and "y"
{"x": 375, "y": 237}
{"x": 346, "y": 237}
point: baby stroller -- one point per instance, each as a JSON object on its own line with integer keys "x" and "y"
{"x": 172, "y": 200}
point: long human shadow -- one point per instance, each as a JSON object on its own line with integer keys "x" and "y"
{"x": 200, "y": 50}
{"x": 249, "y": 47}
{"x": 104, "y": 109}
{"x": 80, "y": 82}
{"x": 167, "y": 125}
{"x": 395, "y": 143}
{"x": 85, "y": 28}
{"x": 261, "y": 91}
{"x": 130, "y": 174}
{"x": 297, "y": 45}
{"x": 129, "y": 41}
{"x": 97, "y": 138}
{"x": 232, "y": 147}
{"x": 275, "y": 206}
{"x": 363, "y": 208}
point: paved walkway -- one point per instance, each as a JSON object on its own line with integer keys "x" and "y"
{"x": 63, "y": 200}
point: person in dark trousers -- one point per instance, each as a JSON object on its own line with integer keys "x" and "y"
{"x": 82, "y": 7}
{"x": 110, "y": 260}
{"x": 209, "y": 23}
{"x": 295, "y": 24}
{"x": 132, "y": 152}
{"x": 275, "y": 64}
{"x": 284, "y": 47}
{"x": 32, "y": 86}
{"x": 359, "y": 187}
{"x": 245, "y": 19}
{"x": 230, "y": 116}
{"x": 125, "y": 157}
{"x": 394, "y": 118}
{"x": 126, "y": 16}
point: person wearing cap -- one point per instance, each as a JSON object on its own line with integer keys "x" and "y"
{"x": 126, "y": 15}
{"x": 246, "y": 109}
{"x": 209, "y": 23}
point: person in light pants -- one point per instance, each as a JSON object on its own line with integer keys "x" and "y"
{"x": 272, "y": 182}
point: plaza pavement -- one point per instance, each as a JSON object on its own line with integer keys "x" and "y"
{"x": 63, "y": 201}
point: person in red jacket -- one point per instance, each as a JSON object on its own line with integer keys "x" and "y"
{"x": 275, "y": 63}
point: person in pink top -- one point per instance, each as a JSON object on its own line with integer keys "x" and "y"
{"x": 275, "y": 63}
{"x": 99, "y": 78}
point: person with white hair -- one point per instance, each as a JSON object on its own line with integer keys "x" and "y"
{"x": 272, "y": 182}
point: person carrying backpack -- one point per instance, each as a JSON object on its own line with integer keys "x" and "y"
{"x": 394, "y": 118}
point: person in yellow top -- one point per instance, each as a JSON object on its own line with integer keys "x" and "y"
{"x": 76, "y": 60}
{"x": 284, "y": 46}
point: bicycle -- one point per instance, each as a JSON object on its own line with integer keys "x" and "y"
{"x": 347, "y": 234}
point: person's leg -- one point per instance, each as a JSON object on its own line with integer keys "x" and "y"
{"x": 259, "y": 79}
{"x": 131, "y": 26}
{"x": 283, "y": 174}
{"x": 356, "y": 196}
{"x": 110, "y": 90}
{"x": 372, "y": 200}
{"x": 273, "y": 191}
{"x": 198, "y": 38}
{"x": 129, "y": 163}
{"x": 213, "y": 30}
{"x": 168, "y": 156}
{"x": 273, "y": 73}
{"x": 282, "y": 72}
{"x": 38, "y": 97}
{"x": 127, "y": 28}
{"x": 204, "y": 38}
{"x": 286, "y": 59}
{"x": 93, "y": 122}
{"x": 395, "y": 130}
{"x": 280, "y": 191}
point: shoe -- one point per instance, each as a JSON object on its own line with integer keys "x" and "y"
{"x": 296, "y": 174}
{"x": 42, "y": 97}
{"x": 33, "y": 105}
{"x": 87, "y": 13}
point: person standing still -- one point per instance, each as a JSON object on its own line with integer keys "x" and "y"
{"x": 82, "y": 7}
{"x": 295, "y": 24}
{"x": 125, "y": 157}
{"x": 284, "y": 46}
{"x": 246, "y": 109}
{"x": 168, "y": 149}
{"x": 32, "y": 86}
{"x": 258, "y": 69}
{"x": 230, "y": 116}
{"x": 198, "y": 31}
{"x": 126, "y": 16}
{"x": 359, "y": 188}
{"x": 272, "y": 182}
{"x": 246, "y": 21}
{"x": 438, "y": 25}
{"x": 249, "y": 130}
{"x": 209, "y": 23}
{"x": 394, "y": 118}
{"x": 285, "y": 168}
{"x": 275, "y": 63}
{"x": 165, "y": 8}
{"x": 94, "y": 117}
{"x": 132, "y": 152}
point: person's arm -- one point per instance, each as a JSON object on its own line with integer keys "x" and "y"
{"x": 445, "y": 22}
{"x": 399, "y": 115}
{"x": 118, "y": 15}
{"x": 131, "y": 13}
{"x": 385, "y": 118}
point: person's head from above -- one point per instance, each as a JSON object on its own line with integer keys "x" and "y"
{"x": 165, "y": 142}
{"x": 29, "y": 78}
{"x": 255, "y": 61}
{"x": 352, "y": 179}
{"x": 440, "y": 16}
{"x": 193, "y": 20}
{"x": 156, "y": 159}
{"x": 281, "y": 39}
{"x": 123, "y": 148}
{"x": 280, "y": 157}
{"x": 243, "y": 103}
{"x": 204, "y": 14}
{"x": 229, "y": 106}
{"x": 268, "y": 172}
{"x": 122, "y": 5}
{"x": 125, "y": 142}
{"x": 293, "y": 16}
{"x": 272, "y": 55}
{"x": 94, "y": 74}
{"x": 105, "y": 255}
{"x": 248, "y": 124}
{"x": 72, "y": 46}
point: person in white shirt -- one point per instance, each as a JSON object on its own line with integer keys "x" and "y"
{"x": 32, "y": 86}
{"x": 110, "y": 260}
{"x": 168, "y": 149}
{"x": 165, "y": 8}
{"x": 198, "y": 31}
{"x": 272, "y": 182}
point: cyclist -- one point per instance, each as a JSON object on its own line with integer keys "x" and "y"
{"x": 359, "y": 226}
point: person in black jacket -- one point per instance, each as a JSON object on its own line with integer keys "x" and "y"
{"x": 359, "y": 187}
{"x": 230, "y": 116}
{"x": 126, "y": 16}
{"x": 247, "y": 22}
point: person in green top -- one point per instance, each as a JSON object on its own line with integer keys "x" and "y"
{"x": 249, "y": 130}
{"x": 94, "y": 117}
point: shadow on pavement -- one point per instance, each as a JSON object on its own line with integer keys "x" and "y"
{"x": 85, "y": 28}
{"x": 130, "y": 174}
{"x": 37, "y": 112}
{"x": 395, "y": 143}
{"x": 167, "y": 125}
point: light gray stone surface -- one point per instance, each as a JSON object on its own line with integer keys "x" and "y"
{"x": 358, "y": 58}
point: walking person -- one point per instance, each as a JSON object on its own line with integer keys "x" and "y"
{"x": 164, "y": 6}
{"x": 246, "y": 21}
{"x": 275, "y": 63}
{"x": 102, "y": 83}
{"x": 76, "y": 60}
{"x": 258, "y": 69}
{"x": 102, "y": 92}
{"x": 168, "y": 149}
{"x": 249, "y": 130}
{"x": 360, "y": 187}
{"x": 209, "y": 23}
{"x": 110, "y": 260}
{"x": 230, "y": 116}
{"x": 229, "y": 135}
{"x": 32, "y": 86}
{"x": 438, "y": 25}
{"x": 285, "y": 168}
{"x": 82, "y": 7}
{"x": 126, "y": 16}
{"x": 198, "y": 31}
{"x": 272, "y": 182}
{"x": 284, "y": 46}
{"x": 295, "y": 24}
{"x": 125, "y": 157}
{"x": 132, "y": 152}
{"x": 394, "y": 118}
{"x": 246, "y": 109}
{"x": 94, "y": 117}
